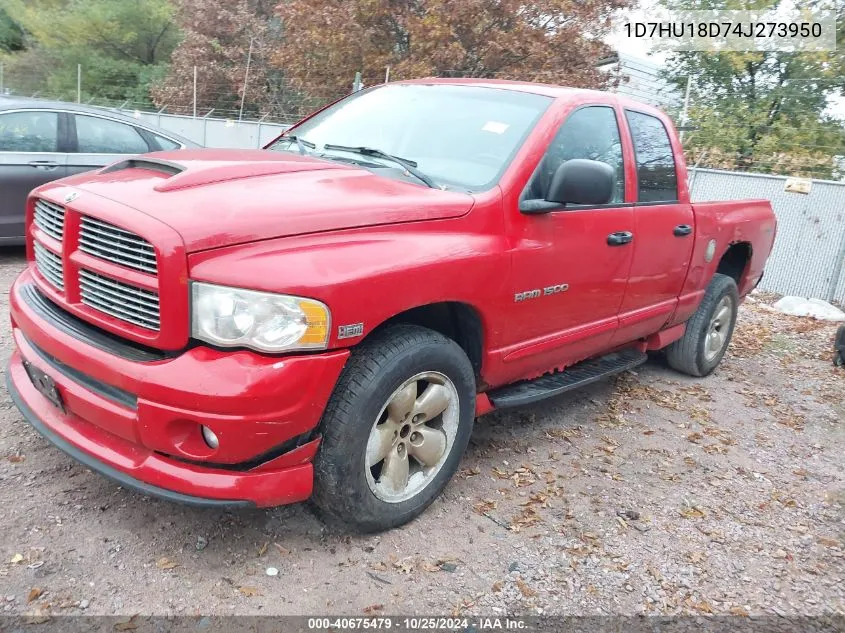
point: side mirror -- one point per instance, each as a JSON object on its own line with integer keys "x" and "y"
{"x": 582, "y": 181}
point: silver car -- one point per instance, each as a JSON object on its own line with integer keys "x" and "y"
{"x": 42, "y": 141}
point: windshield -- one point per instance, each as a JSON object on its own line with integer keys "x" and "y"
{"x": 462, "y": 137}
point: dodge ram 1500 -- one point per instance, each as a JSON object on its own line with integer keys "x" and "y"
{"x": 325, "y": 318}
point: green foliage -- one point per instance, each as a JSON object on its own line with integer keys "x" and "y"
{"x": 11, "y": 34}
{"x": 762, "y": 111}
{"x": 122, "y": 45}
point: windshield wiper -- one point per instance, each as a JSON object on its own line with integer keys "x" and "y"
{"x": 301, "y": 144}
{"x": 409, "y": 165}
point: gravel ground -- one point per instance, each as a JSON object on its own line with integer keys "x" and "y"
{"x": 649, "y": 493}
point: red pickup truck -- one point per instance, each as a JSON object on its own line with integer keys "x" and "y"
{"x": 327, "y": 317}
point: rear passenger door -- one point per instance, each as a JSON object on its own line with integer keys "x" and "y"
{"x": 664, "y": 231}
{"x": 30, "y": 144}
{"x": 101, "y": 141}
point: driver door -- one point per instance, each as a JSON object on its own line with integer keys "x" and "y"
{"x": 569, "y": 266}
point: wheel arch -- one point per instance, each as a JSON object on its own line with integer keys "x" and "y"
{"x": 456, "y": 320}
{"x": 735, "y": 261}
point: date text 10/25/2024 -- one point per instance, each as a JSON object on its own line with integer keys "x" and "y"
{"x": 401, "y": 624}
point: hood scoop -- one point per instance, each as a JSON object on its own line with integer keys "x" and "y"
{"x": 197, "y": 173}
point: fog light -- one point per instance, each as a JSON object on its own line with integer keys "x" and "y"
{"x": 209, "y": 437}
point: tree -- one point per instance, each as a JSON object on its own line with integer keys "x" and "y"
{"x": 762, "y": 111}
{"x": 11, "y": 35}
{"x": 121, "y": 46}
{"x": 218, "y": 37}
{"x": 327, "y": 41}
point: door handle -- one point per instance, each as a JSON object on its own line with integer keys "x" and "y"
{"x": 620, "y": 238}
{"x": 48, "y": 165}
{"x": 682, "y": 230}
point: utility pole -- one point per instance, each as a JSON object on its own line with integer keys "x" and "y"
{"x": 356, "y": 83}
{"x": 387, "y": 75}
{"x": 195, "y": 92}
{"x": 685, "y": 111}
{"x": 246, "y": 79}
{"x": 79, "y": 83}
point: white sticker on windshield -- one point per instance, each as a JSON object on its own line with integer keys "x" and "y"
{"x": 495, "y": 127}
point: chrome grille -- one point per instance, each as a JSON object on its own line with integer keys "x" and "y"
{"x": 49, "y": 265}
{"x": 114, "y": 244}
{"x": 120, "y": 300}
{"x": 50, "y": 218}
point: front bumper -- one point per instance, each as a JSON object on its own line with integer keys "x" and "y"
{"x": 139, "y": 422}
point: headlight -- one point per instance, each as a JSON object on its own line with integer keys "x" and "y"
{"x": 267, "y": 322}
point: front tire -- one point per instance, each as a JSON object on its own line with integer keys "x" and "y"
{"x": 709, "y": 331}
{"x": 395, "y": 428}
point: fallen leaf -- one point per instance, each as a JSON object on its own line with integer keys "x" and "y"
{"x": 373, "y": 608}
{"x": 828, "y": 542}
{"x": 428, "y": 566}
{"x": 263, "y": 549}
{"x": 524, "y": 589}
{"x": 484, "y": 506}
{"x": 249, "y": 592}
{"x": 704, "y": 607}
{"x": 692, "y": 513}
{"x": 282, "y": 550}
{"x": 696, "y": 557}
{"x": 17, "y": 558}
{"x": 38, "y": 616}
{"x": 16, "y": 459}
{"x": 34, "y": 594}
{"x": 129, "y": 625}
{"x": 497, "y": 586}
{"x": 166, "y": 563}
{"x": 405, "y": 565}
{"x": 739, "y": 611}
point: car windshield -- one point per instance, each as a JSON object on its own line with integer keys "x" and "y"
{"x": 461, "y": 137}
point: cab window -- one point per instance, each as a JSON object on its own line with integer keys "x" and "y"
{"x": 656, "y": 177}
{"x": 591, "y": 133}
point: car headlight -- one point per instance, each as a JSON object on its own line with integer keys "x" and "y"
{"x": 265, "y": 321}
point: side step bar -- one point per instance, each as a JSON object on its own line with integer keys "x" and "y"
{"x": 550, "y": 385}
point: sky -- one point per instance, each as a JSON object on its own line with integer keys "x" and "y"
{"x": 641, "y": 49}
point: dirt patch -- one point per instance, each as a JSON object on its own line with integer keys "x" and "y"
{"x": 651, "y": 493}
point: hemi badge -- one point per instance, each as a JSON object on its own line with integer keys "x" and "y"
{"x": 350, "y": 331}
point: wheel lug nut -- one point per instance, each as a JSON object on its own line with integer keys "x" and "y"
{"x": 419, "y": 418}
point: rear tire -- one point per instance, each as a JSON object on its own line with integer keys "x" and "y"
{"x": 709, "y": 331}
{"x": 395, "y": 428}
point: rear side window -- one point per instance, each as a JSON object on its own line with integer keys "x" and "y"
{"x": 96, "y": 135}
{"x": 165, "y": 143}
{"x": 32, "y": 131}
{"x": 656, "y": 177}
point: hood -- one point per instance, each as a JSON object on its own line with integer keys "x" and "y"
{"x": 215, "y": 198}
